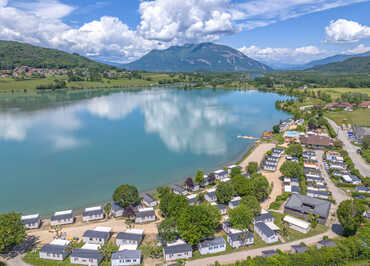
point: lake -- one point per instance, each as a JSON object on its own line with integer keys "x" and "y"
{"x": 72, "y": 154}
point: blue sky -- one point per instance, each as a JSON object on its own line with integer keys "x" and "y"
{"x": 272, "y": 31}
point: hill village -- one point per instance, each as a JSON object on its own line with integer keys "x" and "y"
{"x": 297, "y": 211}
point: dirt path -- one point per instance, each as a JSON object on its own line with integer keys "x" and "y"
{"x": 277, "y": 189}
{"x": 258, "y": 154}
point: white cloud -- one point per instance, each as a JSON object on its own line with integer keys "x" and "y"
{"x": 283, "y": 55}
{"x": 346, "y": 31}
{"x": 360, "y": 49}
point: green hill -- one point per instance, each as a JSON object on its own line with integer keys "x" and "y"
{"x": 196, "y": 58}
{"x": 352, "y": 65}
{"x": 15, "y": 54}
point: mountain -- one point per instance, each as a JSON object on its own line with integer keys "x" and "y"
{"x": 360, "y": 64}
{"x": 196, "y": 57}
{"x": 15, "y": 54}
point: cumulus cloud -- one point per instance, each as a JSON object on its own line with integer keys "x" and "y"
{"x": 283, "y": 55}
{"x": 346, "y": 31}
{"x": 360, "y": 49}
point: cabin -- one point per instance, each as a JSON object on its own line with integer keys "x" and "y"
{"x": 308, "y": 172}
{"x": 93, "y": 214}
{"x": 177, "y": 250}
{"x": 100, "y": 235}
{"x": 221, "y": 174}
{"x": 240, "y": 239}
{"x": 362, "y": 189}
{"x": 126, "y": 257}
{"x": 277, "y": 152}
{"x": 117, "y": 210}
{"x": 317, "y": 180}
{"x": 192, "y": 199}
{"x": 299, "y": 248}
{"x": 351, "y": 179}
{"x": 130, "y": 239}
{"x": 31, "y": 221}
{"x": 318, "y": 194}
{"x": 326, "y": 243}
{"x": 222, "y": 208}
{"x": 62, "y": 218}
{"x": 266, "y": 233}
{"x": 317, "y": 188}
{"x": 212, "y": 246}
{"x": 56, "y": 250}
{"x": 269, "y": 166}
{"x": 309, "y": 155}
{"x": 89, "y": 255}
{"x": 178, "y": 190}
{"x": 264, "y": 217}
{"x": 269, "y": 253}
{"x": 297, "y": 224}
{"x": 334, "y": 156}
{"x": 337, "y": 166}
{"x": 149, "y": 201}
{"x": 210, "y": 195}
{"x": 234, "y": 202}
{"x": 145, "y": 215}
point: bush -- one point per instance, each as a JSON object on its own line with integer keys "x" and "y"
{"x": 365, "y": 154}
{"x": 345, "y": 185}
{"x": 275, "y": 205}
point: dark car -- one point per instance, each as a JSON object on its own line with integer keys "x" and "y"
{"x": 360, "y": 197}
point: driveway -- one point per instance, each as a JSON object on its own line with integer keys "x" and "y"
{"x": 359, "y": 162}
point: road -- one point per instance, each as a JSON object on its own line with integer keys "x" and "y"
{"x": 359, "y": 162}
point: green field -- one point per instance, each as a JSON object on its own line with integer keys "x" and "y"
{"x": 336, "y": 92}
{"x": 359, "y": 117}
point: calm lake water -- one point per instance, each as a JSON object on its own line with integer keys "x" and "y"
{"x": 73, "y": 154}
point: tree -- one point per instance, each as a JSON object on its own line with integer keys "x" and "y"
{"x": 108, "y": 209}
{"x": 350, "y": 215}
{"x": 199, "y": 177}
{"x": 291, "y": 169}
{"x": 224, "y": 192}
{"x": 172, "y": 205}
{"x": 167, "y": 229}
{"x": 366, "y": 142}
{"x": 252, "y": 168}
{"x": 128, "y": 212}
{"x": 252, "y": 204}
{"x": 200, "y": 198}
{"x": 276, "y": 129}
{"x": 211, "y": 178}
{"x": 295, "y": 150}
{"x": 12, "y": 231}
{"x": 235, "y": 171}
{"x": 107, "y": 250}
{"x": 198, "y": 222}
{"x": 338, "y": 143}
{"x": 261, "y": 186}
{"x": 163, "y": 191}
{"x": 189, "y": 183}
{"x": 242, "y": 185}
{"x": 314, "y": 220}
{"x": 155, "y": 251}
{"x": 241, "y": 217}
{"x": 126, "y": 195}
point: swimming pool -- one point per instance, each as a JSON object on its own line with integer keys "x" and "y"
{"x": 292, "y": 134}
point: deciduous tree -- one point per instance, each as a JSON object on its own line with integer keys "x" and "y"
{"x": 252, "y": 168}
{"x": 350, "y": 215}
{"x": 241, "y": 217}
{"x": 295, "y": 150}
{"x": 12, "y": 231}
{"x": 199, "y": 177}
{"x": 224, "y": 192}
{"x": 252, "y": 203}
{"x": 126, "y": 195}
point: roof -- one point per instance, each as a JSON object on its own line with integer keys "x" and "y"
{"x": 116, "y": 207}
{"x": 177, "y": 188}
{"x": 126, "y": 254}
{"x": 96, "y": 234}
{"x": 177, "y": 249}
{"x": 221, "y": 206}
{"x": 297, "y": 222}
{"x": 62, "y": 215}
{"x": 316, "y": 140}
{"x": 87, "y": 253}
{"x": 264, "y": 229}
{"x": 145, "y": 213}
{"x": 148, "y": 198}
{"x": 93, "y": 211}
{"x": 327, "y": 243}
{"x": 299, "y": 248}
{"x": 30, "y": 219}
{"x": 263, "y": 217}
{"x": 306, "y": 204}
{"x": 240, "y": 235}
{"x": 129, "y": 236}
{"x": 60, "y": 242}
{"x": 270, "y": 252}
{"x": 53, "y": 249}
{"x": 220, "y": 172}
{"x": 212, "y": 242}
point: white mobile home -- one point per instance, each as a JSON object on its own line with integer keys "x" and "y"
{"x": 62, "y": 218}
{"x": 56, "y": 250}
{"x": 87, "y": 255}
{"x": 117, "y": 210}
{"x": 266, "y": 233}
{"x": 93, "y": 214}
{"x": 145, "y": 215}
{"x": 126, "y": 257}
{"x": 130, "y": 239}
{"x": 212, "y": 246}
{"x": 31, "y": 221}
{"x": 177, "y": 251}
{"x": 149, "y": 201}
{"x": 239, "y": 239}
{"x": 297, "y": 224}
{"x": 100, "y": 235}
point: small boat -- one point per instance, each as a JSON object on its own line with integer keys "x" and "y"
{"x": 246, "y": 137}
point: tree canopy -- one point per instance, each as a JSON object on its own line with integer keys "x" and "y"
{"x": 295, "y": 150}
{"x": 291, "y": 169}
{"x": 242, "y": 185}
{"x": 167, "y": 229}
{"x": 261, "y": 186}
{"x": 224, "y": 192}
{"x": 199, "y": 177}
{"x": 126, "y": 195}
{"x": 12, "y": 231}
{"x": 350, "y": 215}
{"x": 241, "y": 217}
{"x": 252, "y": 168}
{"x": 172, "y": 205}
{"x": 252, "y": 204}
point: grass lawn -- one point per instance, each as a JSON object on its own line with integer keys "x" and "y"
{"x": 2, "y": 263}
{"x": 359, "y": 117}
{"x": 358, "y": 263}
{"x": 336, "y": 92}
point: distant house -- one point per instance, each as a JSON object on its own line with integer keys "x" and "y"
{"x": 56, "y": 250}
{"x": 178, "y": 190}
{"x": 149, "y": 201}
{"x": 234, "y": 202}
{"x": 337, "y": 166}
{"x": 226, "y": 226}
{"x": 362, "y": 189}
{"x": 267, "y": 135}
{"x": 192, "y": 198}
{"x": 266, "y": 233}
{"x": 177, "y": 251}
{"x": 130, "y": 239}
{"x": 365, "y": 104}
{"x": 277, "y": 152}
{"x": 222, "y": 208}
{"x": 351, "y": 179}
{"x": 299, "y": 248}
{"x": 221, "y": 174}
{"x": 240, "y": 239}
{"x": 303, "y": 206}
{"x": 309, "y": 155}
{"x": 100, "y": 235}
{"x": 318, "y": 194}
{"x": 87, "y": 255}
{"x": 264, "y": 217}
{"x": 212, "y": 246}
{"x": 308, "y": 172}
{"x": 326, "y": 243}
{"x": 126, "y": 257}
{"x": 62, "y": 218}
{"x": 117, "y": 210}
{"x": 297, "y": 224}
{"x": 334, "y": 156}
{"x": 317, "y": 141}
{"x": 145, "y": 215}
{"x": 269, "y": 253}
{"x": 31, "y": 221}
{"x": 93, "y": 214}
{"x": 210, "y": 195}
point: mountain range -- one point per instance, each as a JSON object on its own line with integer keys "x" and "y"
{"x": 195, "y": 58}
{"x": 359, "y": 64}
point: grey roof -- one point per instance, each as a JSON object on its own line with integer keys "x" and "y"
{"x": 294, "y": 179}
{"x": 355, "y": 178}
{"x": 126, "y": 254}
{"x": 327, "y": 243}
{"x": 31, "y": 220}
{"x": 362, "y": 188}
{"x": 87, "y": 254}
{"x": 96, "y": 234}
{"x": 177, "y": 249}
{"x": 235, "y": 202}
{"x": 263, "y": 217}
{"x": 53, "y": 249}
{"x": 265, "y": 229}
{"x": 306, "y": 204}
{"x": 308, "y": 171}
{"x": 211, "y": 194}
{"x": 116, "y": 207}
{"x": 145, "y": 213}
{"x": 212, "y": 242}
{"x": 61, "y": 217}
{"x": 178, "y": 188}
{"x": 148, "y": 198}
{"x": 269, "y": 253}
{"x": 240, "y": 235}
{"x": 221, "y": 206}
{"x": 295, "y": 189}
{"x": 93, "y": 212}
{"x": 221, "y": 173}
{"x": 299, "y": 248}
{"x": 129, "y": 236}
{"x": 324, "y": 193}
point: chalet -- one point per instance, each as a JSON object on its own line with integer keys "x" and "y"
{"x": 31, "y": 221}
{"x": 316, "y": 141}
{"x": 269, "y": 253}
{"x": 93, "y": 214}
{"x": 309, "y": 172}
{"x": 117, "y": 210}
{"x": 317, "y": 180}
{"x": 234, "y": 202}
{"x": 277, "y": 152}
{"x": 178, "y": 190}
{"x": 145, "y": 215}
{"x": 149, "y": 201}
{"x": 192, "y": 198}
{"x": 299, "y": 248}
{"x": 126, "y": 257}
{"x": 269, "y": 166}
{"x": 212, "y": 246}
{"x": 337, "y": 166}
{"x": 62, "y": 218}
{"x": 334, "y": 156}
{"x": 309, "y": 155}
{"x": 326, "y": 243}
{"x": 100, "y": 235}
{"x": 89, "y": 255}
{"x": 271, "y": 158}
{"x": 351, "y": 179}
{"x": 317, "y": 188}
{"x": 362, "y": 189}
{"x": 318, "y": 194}
{"x": 205, "y": 181}
{"x": 297, "y": 224}
{"x": 226, "y": 226}
{"x": 264, "y": 217}
{"x": 191, "y": 187}
{"x": 221, "y": 174}
{"x": 178, "y": 250}
{"x": 365, "y": 104}
{"x": 56, "y": 250}
{"x": 266, "y": 233}
{"x": 222, "y": 208}
{"x": 130, "y": 239}
{"x": 311, "y": 165}
{"x": 303, "y": 206}
{"x": 210, "y": 195}
{"x": 240, "y": 239}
